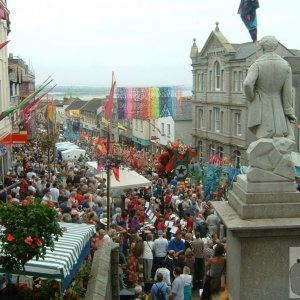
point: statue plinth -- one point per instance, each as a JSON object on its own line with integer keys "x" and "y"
{"x": 262, "y": 220}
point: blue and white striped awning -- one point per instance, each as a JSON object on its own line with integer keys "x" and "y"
{"x": 69, "y": 252}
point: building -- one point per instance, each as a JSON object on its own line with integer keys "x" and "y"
{"x": 89, "y": 116}
{"x": 72, "y": 112}
{"x": 5, "y": 124}
{"x": 219, "y": 104}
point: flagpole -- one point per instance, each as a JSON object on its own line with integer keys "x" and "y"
{"x": 108, "y": 168}
{"x": 48, "y": 132}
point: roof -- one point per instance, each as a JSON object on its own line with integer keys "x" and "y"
{"x": 296, "y": 52}
{"x": 76, "y": 104}
{"x": 184, "y": 111}
{"x": 92, "y": 105}
{"x": 244, "y": 50}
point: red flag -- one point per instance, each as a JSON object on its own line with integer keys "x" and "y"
{"x": 98, "y": 168}
{"x": 4, "y": 44}
{"x": 116, "y": 172}
{"x": 109, "y": 103}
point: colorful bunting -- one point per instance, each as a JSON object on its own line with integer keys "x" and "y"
{"x": 247, "y": 11}
{"x": 147, "y": 103}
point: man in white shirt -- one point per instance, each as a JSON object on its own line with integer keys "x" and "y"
{"x": 54, "y": 192}
{"x": 160, "y": 247}
{"x": 165, "y": 273}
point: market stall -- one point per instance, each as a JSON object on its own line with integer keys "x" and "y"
{"x": 70, "y": 250}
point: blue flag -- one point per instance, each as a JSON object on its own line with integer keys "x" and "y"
{"x": 247, "y": 11}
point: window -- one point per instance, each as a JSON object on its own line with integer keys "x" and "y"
{"x": 217, "y": 119}
{"x": 199, "y": 82}
{"x": 210, "y": 80}
{"x": 211, "y": 150}
{"x": 222, "y": 121}
{"x": 163, "y": 129}
{"x": 168, "y": 130}
{"x": 141, "y": 126}
{"x": 209, "y": 120}
{"x": 202, "y": 82}
{"x": 237, "y": 123}
{"x": 201, "y": 118}
{"x": 222, "y": 80}
{"x": 220, "y": 152}
{"x": 236, "y": 157}
{"x": 136, "y": 125}
{"x": 200, "y": 151}
{"x": 235, "y": 81}
{"x": 240, "y": 81}
{"x": 217, "y": 76}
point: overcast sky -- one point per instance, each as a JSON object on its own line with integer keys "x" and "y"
{"x": 146, "y": 42}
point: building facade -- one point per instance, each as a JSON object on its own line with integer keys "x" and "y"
{"x": 219, "y": 104}
{"x": 5, "y": 124}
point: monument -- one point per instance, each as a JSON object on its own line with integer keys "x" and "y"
{"x": 262, "y": 215}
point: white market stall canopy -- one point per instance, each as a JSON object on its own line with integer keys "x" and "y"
{"x": 128, "y": 178}
{"x": 70, "y": 250}
{"x": 72, "y": 154}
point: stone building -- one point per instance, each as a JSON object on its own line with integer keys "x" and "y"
{"x": 219, "y": 103}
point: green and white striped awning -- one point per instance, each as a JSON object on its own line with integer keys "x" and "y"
{"x": 69, "y": 252}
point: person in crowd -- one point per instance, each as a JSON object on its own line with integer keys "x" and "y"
{"x": 177, "y": 244}
{"x": 160, "y": 247}
{"x": 198, "y": 248}
{"x": 160, "y": 289}
{"x": 177, "y": 291}
{"x": 165, "y": 271}
{"x": 148, "y": 257}
{"x": 216, "y": 268}
{"x": 190, "y": 260}
{"x": 136, "y": 251}
{"x": 188, "y": 282}
{"x": 212, "y": 222}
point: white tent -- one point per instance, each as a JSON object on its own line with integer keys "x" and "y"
{"x": 72, "y": 154}
{"x": 128, "y": 178}
{"x": 66, "y": 147}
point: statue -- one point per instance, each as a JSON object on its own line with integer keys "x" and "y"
{"x": 268, "y": 88}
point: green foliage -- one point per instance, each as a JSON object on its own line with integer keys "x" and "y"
{"x": 27, "y": 229}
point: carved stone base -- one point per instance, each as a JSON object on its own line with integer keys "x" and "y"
{"x": 264, "y": 200}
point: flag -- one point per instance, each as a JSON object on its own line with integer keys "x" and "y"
{"x": 109, "y": 103}
{"x": 2, "y": 14}
{"x": 105, "y": 121}
{"x": 247, "y": 11}
{"x": 6, "y": 113}
{"x": 120, "y": 126}
{"x": 25, "y": 101}
{"x": 116, "y": 172}
{"x": 50, "y": 112}
{"x": 4, "y": 44}
{"x": 98, "y": 168}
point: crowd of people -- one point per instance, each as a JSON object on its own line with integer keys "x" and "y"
{"x": 182, "y": 248}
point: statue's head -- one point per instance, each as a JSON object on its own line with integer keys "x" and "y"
{"x": 269, "y": 43}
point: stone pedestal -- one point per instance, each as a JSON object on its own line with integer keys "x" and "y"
{"x": 258, "y": 253}
{"x": 264, "y": 199}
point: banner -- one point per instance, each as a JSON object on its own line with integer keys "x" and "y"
{"x": 147, "y": 103}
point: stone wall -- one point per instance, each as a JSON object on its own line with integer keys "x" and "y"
{"x": 104, "y": 284}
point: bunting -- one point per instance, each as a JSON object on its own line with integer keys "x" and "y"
{"x": 247, "y": 11}
{"x": 147, "y": 103}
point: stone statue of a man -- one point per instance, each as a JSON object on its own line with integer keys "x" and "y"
{"x": 268, "y": 88}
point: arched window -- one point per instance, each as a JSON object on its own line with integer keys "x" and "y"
{"x": 237, "y": 158}
{"x": 211, "y": 150}
{"x": 217, "y": 75}
{"x": 220, "y": 152}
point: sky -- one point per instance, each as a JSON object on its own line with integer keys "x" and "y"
{"x": 145, "y": 42}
